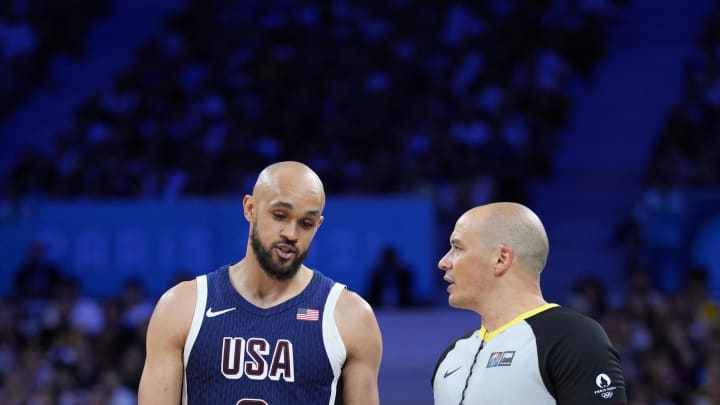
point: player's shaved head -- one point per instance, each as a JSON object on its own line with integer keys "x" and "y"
{"x": 289, "y": 176}
{"x": 513, "y": 225}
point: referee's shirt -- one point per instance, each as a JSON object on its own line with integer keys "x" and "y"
{"x": 549, "y": 355}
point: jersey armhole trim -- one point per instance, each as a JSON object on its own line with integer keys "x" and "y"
{"x": 332, "y": 340}
{"x": 198, "y": 316}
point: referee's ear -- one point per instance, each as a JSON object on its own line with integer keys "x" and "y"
{"x": 505, "y": 256}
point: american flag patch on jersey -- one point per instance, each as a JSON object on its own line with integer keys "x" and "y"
{"x": 307, "y": 314}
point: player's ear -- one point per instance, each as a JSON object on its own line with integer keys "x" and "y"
{"x": 248, "y": 207}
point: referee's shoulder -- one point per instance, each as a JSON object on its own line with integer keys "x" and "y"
{"x": 565, "y": 321}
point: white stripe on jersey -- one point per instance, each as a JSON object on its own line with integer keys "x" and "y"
{"x": 334, "y": 345}
{"x": 198, "y": 316}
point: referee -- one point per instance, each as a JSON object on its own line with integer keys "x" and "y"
{"x": 527, "y": 351}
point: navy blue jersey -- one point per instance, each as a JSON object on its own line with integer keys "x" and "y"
{"x": 239, "y": 354}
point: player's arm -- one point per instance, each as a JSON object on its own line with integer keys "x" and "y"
{"x": 162, "y": 376}
{"x": 363, "y": 343}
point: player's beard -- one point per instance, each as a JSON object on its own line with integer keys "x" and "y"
{"x": 272, "y": 267}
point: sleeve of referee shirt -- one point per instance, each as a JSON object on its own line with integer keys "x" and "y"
{"x": 578, "y": 363}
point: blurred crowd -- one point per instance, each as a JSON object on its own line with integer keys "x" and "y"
{"x": 669, "y": 342}
{"x": 61, "y": 347}
{"x": 464, "y": 97}
{"x": 32, "y": 33}
{"x": 672, "y": 339}
{"x": 688, "y": 149}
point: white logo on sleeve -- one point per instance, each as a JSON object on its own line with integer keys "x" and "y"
{"x": 603, "y": 382}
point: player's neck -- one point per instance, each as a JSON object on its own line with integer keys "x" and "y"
{"x": 263, "y": 291}
{"x": 502, "y": 310}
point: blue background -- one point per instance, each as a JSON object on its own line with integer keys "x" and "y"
{"x": 106, "y": 243}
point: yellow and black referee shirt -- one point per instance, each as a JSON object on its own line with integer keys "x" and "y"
{"x": 549, "y": 355}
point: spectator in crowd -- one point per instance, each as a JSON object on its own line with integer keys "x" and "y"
{"x": 37, "y": 276}
{"x": 391, "y": 282}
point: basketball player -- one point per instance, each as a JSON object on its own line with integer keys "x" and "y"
{"x": 267, "y": 329}
{"x": 526, "y": 351}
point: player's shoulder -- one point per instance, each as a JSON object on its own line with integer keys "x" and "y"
{"x": 349, "y": 303}
{"x": 356, "y": 320}
{"x": 180, "y": 292}
{"x": 352, "y": 304}
{"x": 177, "y": 301}
{"x": 173, "y": 313}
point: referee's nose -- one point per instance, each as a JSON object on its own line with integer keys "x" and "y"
{"x": 445, "y": 263}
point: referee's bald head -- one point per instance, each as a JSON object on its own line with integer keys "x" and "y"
{"x": 516, "y": 226}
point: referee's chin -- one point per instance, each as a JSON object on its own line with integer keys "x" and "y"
{"x": 459, "y": 302}
{"x": 455, "y": 302}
